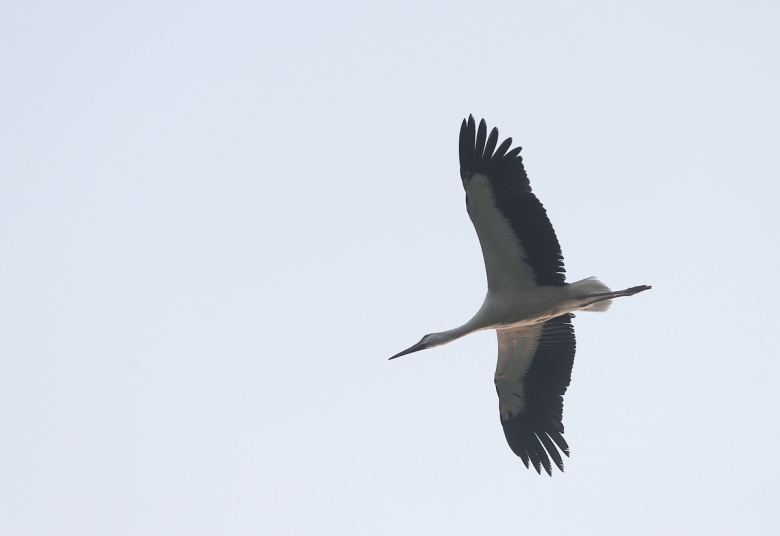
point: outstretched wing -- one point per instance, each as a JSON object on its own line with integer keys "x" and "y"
{"x": 518, "y": 242}
{"x": 533, "y": 373}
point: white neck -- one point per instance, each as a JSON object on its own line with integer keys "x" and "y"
{"x": 437, "y": 339}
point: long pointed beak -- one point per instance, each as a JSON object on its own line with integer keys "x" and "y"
{"x": 416, "y": 348}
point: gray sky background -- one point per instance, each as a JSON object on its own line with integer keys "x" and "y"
{"x": 219, "y": 219}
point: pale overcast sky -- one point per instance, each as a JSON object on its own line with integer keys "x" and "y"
{"x": 219, "y": 219}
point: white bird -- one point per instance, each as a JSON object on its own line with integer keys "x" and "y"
{"x": 528, "y": 302}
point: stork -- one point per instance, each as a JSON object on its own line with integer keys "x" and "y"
{"x": 528, "y": 301}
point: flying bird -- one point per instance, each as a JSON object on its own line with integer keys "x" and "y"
{"x": 528, "y": 301}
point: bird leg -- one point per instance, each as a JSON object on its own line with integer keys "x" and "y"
{"x": 601, "y": 296}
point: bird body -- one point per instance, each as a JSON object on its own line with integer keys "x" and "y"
{"x": 528, "y": 302}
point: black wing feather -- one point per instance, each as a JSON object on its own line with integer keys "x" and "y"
{"x": 492, "y": 140}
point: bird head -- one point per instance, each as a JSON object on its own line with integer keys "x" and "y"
{"x": 428, "y": 341}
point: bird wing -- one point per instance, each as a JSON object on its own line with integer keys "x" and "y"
{"x": 518, "y": 242}
{"x": 533, "y": 372}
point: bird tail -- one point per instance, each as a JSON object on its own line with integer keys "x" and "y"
{"x": 590, "y": 288}
{"x": 597, "y": 297}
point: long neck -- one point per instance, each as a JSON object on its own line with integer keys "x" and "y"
{"x": 456, "y": 333}
{"x": 480, "y": 321}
